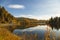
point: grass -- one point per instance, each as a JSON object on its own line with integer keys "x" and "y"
{"x": 7, "y": 35}
{"x": 1, "y": 37}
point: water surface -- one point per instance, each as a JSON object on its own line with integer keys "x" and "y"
{"x": 37, "y": 33}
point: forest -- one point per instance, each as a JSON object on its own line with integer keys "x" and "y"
{"x": 54, "y": 22}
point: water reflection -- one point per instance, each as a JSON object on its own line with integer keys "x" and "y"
{"x": 38, "y": 33}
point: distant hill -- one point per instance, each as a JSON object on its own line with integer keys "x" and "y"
{"x": 28, "y": 22}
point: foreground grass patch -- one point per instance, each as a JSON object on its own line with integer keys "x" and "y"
{"x": 6, "y": 35}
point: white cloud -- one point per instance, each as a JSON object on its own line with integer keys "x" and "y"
{"x": 16, "y": 6}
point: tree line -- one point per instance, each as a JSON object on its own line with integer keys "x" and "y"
{"x": 54, "y": 22}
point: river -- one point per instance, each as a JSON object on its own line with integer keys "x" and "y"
{"x": 42, "y": 32}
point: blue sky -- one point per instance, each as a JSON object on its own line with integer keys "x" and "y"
{"x": 38, "y": 9}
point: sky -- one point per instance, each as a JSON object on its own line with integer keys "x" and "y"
{"x": 37, "y": 9}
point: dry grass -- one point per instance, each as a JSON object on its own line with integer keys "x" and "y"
{"x": 6, "y": 35}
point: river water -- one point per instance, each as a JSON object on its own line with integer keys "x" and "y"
{"x": 42, "y": 32}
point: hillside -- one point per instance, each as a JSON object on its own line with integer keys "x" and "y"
{"x": 6, "y": 17}
{"x": 7, "y": 20}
